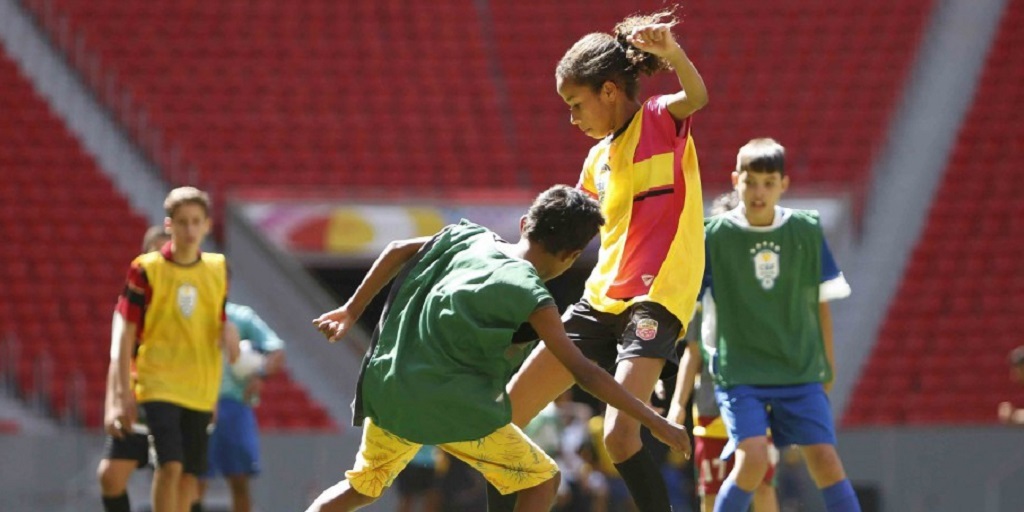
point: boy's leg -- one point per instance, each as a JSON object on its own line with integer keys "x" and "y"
{"x": 622, "y": 437}
{"x": 123, "y": 456}
{"x": 164, "y": 420}
{"x": 745, "y": 415}
{"x": 195, "y": 428}
{"x": 512, "y": 463}
{"x": 382, "y": 456}
{"x": 804, "y": 418}
{"x": 765, "y": 499}
{"x": 234, "y": 450}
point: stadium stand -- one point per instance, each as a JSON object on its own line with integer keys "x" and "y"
{"x": 941, "y": 355}
{"x": 326, "y": 94}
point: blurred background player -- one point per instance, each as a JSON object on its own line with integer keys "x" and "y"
{"x": 709, "y": 434}
{"x": 124, "y": 451}
{"x": 768, "y": 278}
{"x": 644, "y": 174}
{"x": 417, "y": 484}
{"x": 1008, "y": 413}
{"x": 452, "y": 366}
{"x": 234, "y": 450}
{"x": 173, "y": 305}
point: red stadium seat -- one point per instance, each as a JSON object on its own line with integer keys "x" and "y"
{"x": 963, "y": 287}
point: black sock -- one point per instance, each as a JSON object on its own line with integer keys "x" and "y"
{"x": 644, "y": 482}
{"x": 117, "y": 503}
{"x": 497, "y": 502}
{"x": 197, "y": 507}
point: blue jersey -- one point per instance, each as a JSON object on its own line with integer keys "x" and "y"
{"x": 250, "y": 327}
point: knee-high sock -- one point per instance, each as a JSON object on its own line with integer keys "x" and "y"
{"x": 497, "y": 502}
{"x": 117, "y": 503}
{"x": 643, "y": 478}
{"x": 731, "y": 498}
{"x": 840, "y": 497}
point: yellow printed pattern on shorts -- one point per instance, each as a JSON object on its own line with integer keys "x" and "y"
{"x": 382, "y": 455}
{"x": 507, "y": 458}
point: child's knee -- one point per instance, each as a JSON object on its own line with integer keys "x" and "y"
{"x": 622, "y": 439}
{"x": 752, "y": 455}
{"x": 824, "y": 463}
{"x": 111, "y": 483}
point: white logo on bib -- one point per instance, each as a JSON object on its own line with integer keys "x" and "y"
{"x": 188, "y": 296}
{"x": 766, "y": 263}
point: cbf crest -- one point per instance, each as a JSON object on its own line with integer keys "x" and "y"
{"x": 766, "y": 263}
{"x": 188, "y": 297}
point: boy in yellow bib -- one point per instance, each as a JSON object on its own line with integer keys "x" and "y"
{"x": 173, "y": 304}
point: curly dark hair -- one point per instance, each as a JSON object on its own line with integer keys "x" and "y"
{"x": 563, "y": 219}
{"x": 599, "y": 57}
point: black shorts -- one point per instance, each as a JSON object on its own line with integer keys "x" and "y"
{"x": 644, "y": 329}
{"x": 133, "y": 447}
{"x": 415, "y": 479}
{"x": 179, "y": 435}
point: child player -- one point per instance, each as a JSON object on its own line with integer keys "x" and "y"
{"x": 709, "y": 434}
{"x": 768, "y": 279}
{"x": 644, "y": 172}
{"x": 436, "y": 370}
{"x": 124, "y": 451}
{"x": 173, "y": 305}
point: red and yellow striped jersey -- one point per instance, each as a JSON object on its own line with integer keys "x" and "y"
{"x": 647, "y": 179}
{"x": 179, "y": 312}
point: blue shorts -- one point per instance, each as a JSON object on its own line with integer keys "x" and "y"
{"x": 798, "y": 414}
{"x": 234, "y": 444}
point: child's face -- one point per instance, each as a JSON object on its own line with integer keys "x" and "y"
{"x": 591, "y": 112}
{"x": 189, "y": 225}
{"x": 760, "y": 191}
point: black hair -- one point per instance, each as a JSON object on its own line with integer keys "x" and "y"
{"x": 563, "y": 219}
{"x": 600, "y": 57}
{"x": 762, "y": 155}
{"x": 153, "y": 234}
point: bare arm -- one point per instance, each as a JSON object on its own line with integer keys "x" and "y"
{"x": 598, "y": 382}
{"x": 334, "y": 324}
{"x": 657, "y": 39}
{"x": 825, "y": 314}
{"x": 690, "y": 367}
{"x": 124, "y": 399}
{"x": 229, "y": 341}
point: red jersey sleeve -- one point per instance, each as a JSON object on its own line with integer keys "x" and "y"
{"x": 135, "y": 296}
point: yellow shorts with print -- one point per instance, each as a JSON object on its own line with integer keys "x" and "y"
{"x": 507, "y": 458}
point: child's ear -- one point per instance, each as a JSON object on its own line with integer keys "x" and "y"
{"x": 522, "y": 223}
{"x": 571, "y": 256}
{"x": 735, "y": 179}
{"x": 167, "y": 225}
{"x": 785, "y": 182}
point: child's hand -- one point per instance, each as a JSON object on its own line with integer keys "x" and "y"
{"x": 674, "y": 436}
{"x": 334, "y": 324}
{"x": 656, "y": 39}
{"x": 122, "y": 416}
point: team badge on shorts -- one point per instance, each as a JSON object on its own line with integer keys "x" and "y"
{"x": 187, "y": 298}
{"x": 646, "y": 329}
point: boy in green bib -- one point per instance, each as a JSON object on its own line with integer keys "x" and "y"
{"x": 767, "y": 282}
{"x": 443, "y": 352}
